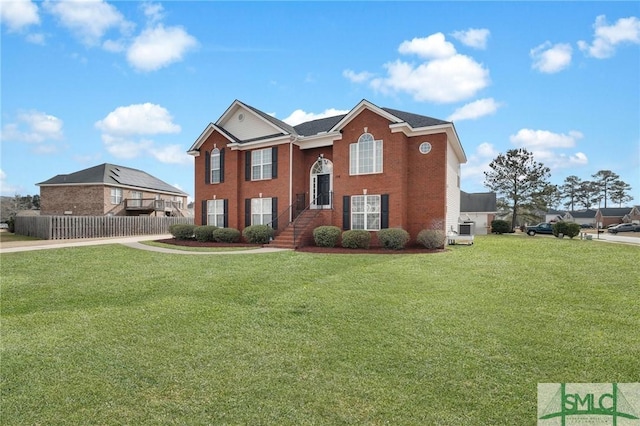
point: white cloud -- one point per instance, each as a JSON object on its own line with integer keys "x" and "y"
{"x": 478, "y": 162}
{"x": 476, "y": 38}
{"x": 172, "y": 154}
{"x": 138, "y": 119}
{"x": 475, "y": 109}
{"x": 431, "y": 47}
{"x": 153, "y": 11}
{"x": 544, "y": 139}
{"x": 19, "y": 14}
{"x": 299, "y": 116}
{"x": 123, "y": 127}
{"x": 36, "y": 38}
{"x": 548, "y": 58}
{"x": 7, "y": 189}
{"x": 158, "y": 47}
{"x": 451, "y": 79}
{"x": 88, "y": 19}
{"x": 608, "y": 37}
{"x": 357, "y": 77}
{"x": 33, "y": 127}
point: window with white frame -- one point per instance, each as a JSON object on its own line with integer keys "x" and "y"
{"x": 365, "y": 212}
{"x": 116, "y": 195}
{"x": 261, "y": 211}
{"x": 136, "y": 199}
{"x": 261, "y": 164}
{"x": 215, "y": 213}
{"x": 365, "y": 156}
{"x": 215, "y": 166}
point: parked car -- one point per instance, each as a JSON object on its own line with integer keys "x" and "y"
{"x": 4, "y": 225}
{"x": 624, "y": 227}
{"x": 586, "y": 225}
{"x": 541, "y": 228}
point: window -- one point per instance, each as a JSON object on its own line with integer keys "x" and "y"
{"x": 261, "y": 164}
{"x": 261, "y": 211}
{"x": 365, "y": 156}
{"x": 365, "y": 212}
{"x": 116, "y": 195}
{"x": 215, "y": 213}
{"x": 216, "y": 169}
{"x": 136, "y": 199}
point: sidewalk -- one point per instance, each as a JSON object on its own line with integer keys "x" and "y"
{"x": 133, "y": 242}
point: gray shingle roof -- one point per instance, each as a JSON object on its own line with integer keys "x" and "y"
{"x": 320, "y": 125}
{"x": 477, "y": 202}
{"x": 111, "y": 174}
{"x": 583, "y": 214}
{"x": 614, "y": 211}
{"x": 416, "y": 120}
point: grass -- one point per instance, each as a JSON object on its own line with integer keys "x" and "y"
{"x": 112, "y": 335}
{"x": 8, "y": 237}
{"x": 201, "y": 249}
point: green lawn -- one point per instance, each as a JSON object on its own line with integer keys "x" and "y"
{"x": 113, "y": 335}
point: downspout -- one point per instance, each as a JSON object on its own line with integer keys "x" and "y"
{"x": 291, "y": 139}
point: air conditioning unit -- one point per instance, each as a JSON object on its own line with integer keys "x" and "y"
{"x": 467, "y": 228}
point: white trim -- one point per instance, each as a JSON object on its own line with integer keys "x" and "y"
{"x": 259, "y": 144}
{"x": 313, "y": 184}
{"x": 364, "y": 104}
{"x": 208, "y": 131}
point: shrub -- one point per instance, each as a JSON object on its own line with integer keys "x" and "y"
{"x": 182, "y": 231}
{"x": 393, "y": 238}
{"x": 257, "y": 234}
{"x": 500, "y": 226}
{"x": 356, "y": 239}
{"x": 431, "y": 238}
{"x": 326, "y": 236}
{"x": 570, "y": 229}
{"x": 225, "y": 235}
{"x": 203, "y": 233}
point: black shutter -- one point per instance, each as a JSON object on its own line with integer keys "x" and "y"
{"x": 247, "y": 165}
{"x": 207, "y": 167}
{"x": 226, "y": 213}
{"x": 247, "y": 212}
{"x": 274, "y": 162}
{"x": 222, "y": 166}
{"x": 204, "y": 212}
{"x": 346, "y": 212}
{"x": 274, "y": 212}
{"x": 384, "y": 211}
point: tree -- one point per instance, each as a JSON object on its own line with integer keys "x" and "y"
{"x": 588, "y": 194}
{"x": 519, "y": 178}
{"x": 569, "y": 191}
{"x": 604, "y": 180}
{"x": 619, "y": 192}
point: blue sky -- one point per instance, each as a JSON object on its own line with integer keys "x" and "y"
{"x": 135, "y": 83}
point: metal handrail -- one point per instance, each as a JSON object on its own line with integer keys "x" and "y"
{"x": 296, "y": 230}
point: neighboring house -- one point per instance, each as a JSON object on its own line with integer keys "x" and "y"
{"x": 479, "y": 208}
{"x": 633, "y": 216}
{"x": 613, "y": 215}
{"x": 108, "y": 189}
{"x": 581, "y": 217}
{"x": 553, "y": 215}
{"x": 369, "y": 169}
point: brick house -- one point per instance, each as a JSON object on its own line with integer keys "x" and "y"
{"x": 108, "y": 189}
{"x": 614, "y": 215}
{"x": 369, "y": 169}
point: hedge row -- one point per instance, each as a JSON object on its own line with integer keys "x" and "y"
{"x": 390, "y": 238}
{"x": 205, "y": 233}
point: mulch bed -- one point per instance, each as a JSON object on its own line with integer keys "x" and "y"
{"x": 307, "y": 249}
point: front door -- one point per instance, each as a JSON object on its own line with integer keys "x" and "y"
{"x": 321, "y": 184}
{"x": 324, "y": 190}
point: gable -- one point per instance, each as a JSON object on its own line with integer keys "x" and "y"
{"x": 248, "y": 124}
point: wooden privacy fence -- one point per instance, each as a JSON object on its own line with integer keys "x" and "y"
{"x": 71, "y": 227}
